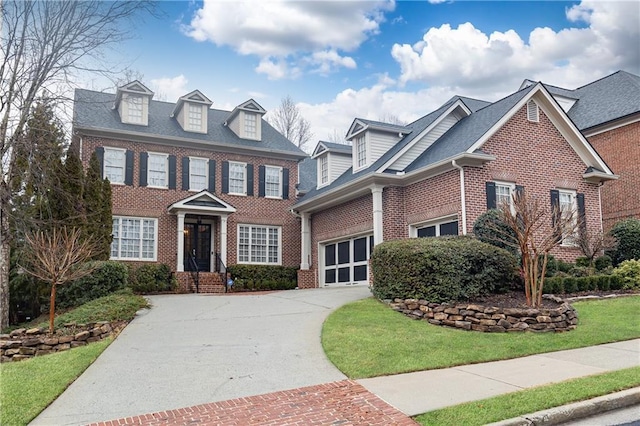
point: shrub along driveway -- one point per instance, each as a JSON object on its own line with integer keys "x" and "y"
{"x": 194, "y": 349}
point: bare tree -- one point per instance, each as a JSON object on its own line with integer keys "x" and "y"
{"x": 57, "y": 257}
{"x": 288, "y": 120}
{"x": 391, "y": 119}
{"x": 537, "y": 232}
{"x": 43, "y": 46}
{"x": 593, "y": 243}
{"x": 337, "y": 137}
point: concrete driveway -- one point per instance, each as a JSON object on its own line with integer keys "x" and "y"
{"x": 193, "y": 349}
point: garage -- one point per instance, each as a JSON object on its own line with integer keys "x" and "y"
{"x": 346, "y": 262}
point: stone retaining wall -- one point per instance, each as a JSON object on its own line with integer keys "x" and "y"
{"x": 488, "y": 318}
{"x": 23, "y": 344}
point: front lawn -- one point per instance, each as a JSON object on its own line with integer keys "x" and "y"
{"x": 368, "y": 339}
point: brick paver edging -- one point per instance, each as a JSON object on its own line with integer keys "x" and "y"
{"x": 337, "y": 403}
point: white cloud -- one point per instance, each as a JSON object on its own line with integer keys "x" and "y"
{"x": 327, "y": 60}
{"x": 467, "y": 57}
{"x": 278, "y": 29}
{"x": 169, "y": 88}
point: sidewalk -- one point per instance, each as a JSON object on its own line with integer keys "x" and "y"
{"x": 390, "y": 400}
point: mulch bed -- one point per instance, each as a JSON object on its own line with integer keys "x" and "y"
{"x": 517, "y": 299}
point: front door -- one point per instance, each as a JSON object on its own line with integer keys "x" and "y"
{"x": 197, "y": 247}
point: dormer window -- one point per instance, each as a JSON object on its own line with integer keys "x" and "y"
{"x": 324, "y": 170}
{"x": 134, "y": 106}
{"x": 361, "y": 152}
{"x": 191, "y": 112}
{"x": 250, "y": 125}
{"x": 132, "y": 103}
{"x": 195, "y": 117}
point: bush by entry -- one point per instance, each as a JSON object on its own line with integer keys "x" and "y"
{"x": 440, "y": 269}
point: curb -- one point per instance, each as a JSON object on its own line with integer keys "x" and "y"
{"x": 577, "y": 410}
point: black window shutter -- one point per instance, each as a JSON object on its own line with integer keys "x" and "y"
{"x": 520, "y": 190}
{"x": 212, "y": 176}
{"x": 491, "y": 195}
{"x": 100, "y": 156}
{"x": 185, "y": 174}
{"x": 128, "y": 170}
{"x": 172, "y": 172}
{"x": 250, "y": 179}
{"x": 261, "y": 181}
{"x": 225, "y": 177}
{"x": 143, "y": 168}
{"x": 285, "y": 184}
{"x": 582, "y": 216}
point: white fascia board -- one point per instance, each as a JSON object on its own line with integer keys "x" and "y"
{"x": 422, "y": 134}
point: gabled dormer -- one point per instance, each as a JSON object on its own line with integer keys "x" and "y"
{"x": 191, "y": 112}
{"x": 132, "y": 103}
{"x": 371, "y": 139}
{"x": 246, "y": 120}
{"x": 332, "y": 160}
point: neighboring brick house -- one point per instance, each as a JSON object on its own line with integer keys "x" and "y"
{"x": 192, "y": 186}
{"x": 607, "y": 112}
{"x": 436, "y": 175}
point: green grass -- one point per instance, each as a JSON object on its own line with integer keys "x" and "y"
{"x": 29, "y": 386}
{"x": 532, "y": 400}
{"x": 368, "y": 339}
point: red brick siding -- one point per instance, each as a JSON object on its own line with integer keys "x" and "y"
{"x": 393, "y": 213}
{"x": 434, "y": 198}
{"x": 620, "y": 149}
{"x": 536, "y": 156}
{"x": 152, "y": 202}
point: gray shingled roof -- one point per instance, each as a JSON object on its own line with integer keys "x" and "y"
{"x": 337, "y": 147}
{"x": 307, "y": 174}
{"x": 387, "y": 126}
{"x": 93, "y": 110}
{"x": 610, "y": 98}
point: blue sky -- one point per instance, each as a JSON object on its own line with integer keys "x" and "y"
{"x": 376, "y": 59}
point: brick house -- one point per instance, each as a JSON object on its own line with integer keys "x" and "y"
{"x": 193, "y": 187}
{"x": 436, "y": 175}
{"x": 607, "y": 112}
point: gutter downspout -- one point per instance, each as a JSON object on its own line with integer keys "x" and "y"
{"x": 462, "y": 197}
{"x": 600, "y": 205}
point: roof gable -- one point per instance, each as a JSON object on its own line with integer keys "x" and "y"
{"x": 203, "y": 202}
{"x": 195, "y": 96}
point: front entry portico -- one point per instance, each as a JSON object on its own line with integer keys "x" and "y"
{"x": 197, "y": 215}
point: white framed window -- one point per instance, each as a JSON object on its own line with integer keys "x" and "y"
{"x": 435, "y": 228}
{"x": 195, "y": 117}
{"x": 250, "y": 125}
{"x": 259, "y": 244}
{"x": 114, "y": 164}
{"x": 324, "y": 169}
{"x": 134, "y": 108}
{"x": 273, "y": 182}
{"x": 361, "y": 152}
{"x": 504, "y": 194}
{"x": 198, "y": 173}
{"x": 134, "y": 238}
{"x": 567, "y": 202}
{"x": 237, "y": 178}
{"x": 158, "y": 170}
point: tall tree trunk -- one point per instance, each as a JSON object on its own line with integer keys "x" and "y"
{"x": 52, "y": 307}
{"x": 5, "y": 256}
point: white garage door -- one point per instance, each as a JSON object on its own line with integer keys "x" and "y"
{"x": 346, "y": 262}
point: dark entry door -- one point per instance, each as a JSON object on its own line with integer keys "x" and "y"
{"x": 197, "y": 247}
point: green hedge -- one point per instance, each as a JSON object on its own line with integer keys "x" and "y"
{"x": 263, "y": 277}
{"x": 441, "y": 269}
{"x": 629, "y": 274}
{"x": 107, "y": 278}
{"x": 627, "y": 235}
{"x": 564, "y": 285}
{"x": 152, "y": 278}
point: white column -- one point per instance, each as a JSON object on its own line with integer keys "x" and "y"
{"x": 378, "y": 237}
{"x": 180, "y": 260}
{"x": 223, "y": 238}
{"x": 305, "y": 244}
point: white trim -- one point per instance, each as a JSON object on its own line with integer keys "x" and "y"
{"x": 124, "y": 164}
{"x": 184, "y": 206}
{"x": 155, "y": 239}
{"x": 280, "y": 182}
{"x": 166, "y": 169}
{"x": 356, "y": 160}
{"x": 206, "y": 173}
{"x": 267, "y": 228}
{"x": 413, "y": 228}
{"x": 244, "y": 188}
{"x": 350, "y": 238}
{"x": 569, "y": 240}
{"x": 463, "y": 199}
{"x": 512, "y": 190}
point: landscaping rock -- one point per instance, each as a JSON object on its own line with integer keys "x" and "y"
{"x": 84, "y": 335}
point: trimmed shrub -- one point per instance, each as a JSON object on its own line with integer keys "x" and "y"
{"x": 441, "y": 269}
{"x": 152, "y": 278}
{"x": 627, "y": 235}
{"x": 603, "y": 262}
{"x": 263, "y": 277}
{"x": 108, "y": 277}
{"x": 628, "y": 272}
{"x": 490, "y": 228}
{"x": 583, "y": 262}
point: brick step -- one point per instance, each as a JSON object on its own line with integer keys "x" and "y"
{"x": 209, "y": 282}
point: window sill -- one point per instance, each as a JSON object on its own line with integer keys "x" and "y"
{"x": 131, "y": 259}
{"x": 236, "y": 194}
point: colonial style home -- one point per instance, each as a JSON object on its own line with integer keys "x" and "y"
{"x": 436, "y": 175}
{"x": 607, "y": 112}
{"x": 193, "y": 187}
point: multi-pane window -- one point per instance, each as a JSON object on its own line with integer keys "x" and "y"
{"x": 195, "y": 117}
{"x": 438, "y": 229}
{"x": 134, "y": 106}
{"x": 198, "y": 175}
{"x": 114, "y": 164}
{"x": 157, "y": 172}
{"x": 324, "y": 169}
{"x": 258, "y": 244}
{"x": 504, "y": 195}
{"x": 237, "y": 181}
{"x": 361, "y": 152}
{"x": 272, "y": 184}
{"x": 568, "y": 209}
{"x": 250, "y": 123}
{"x": 134, "y": 238}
